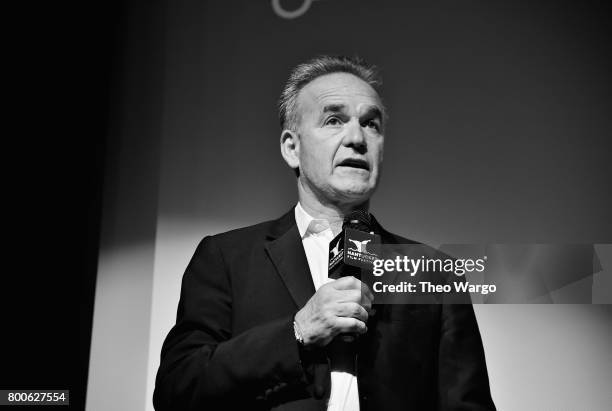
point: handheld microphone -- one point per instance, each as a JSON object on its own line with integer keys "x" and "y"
{"x": 353, "y": 250}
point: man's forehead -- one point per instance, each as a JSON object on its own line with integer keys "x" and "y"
{"x": 338, "y": 89}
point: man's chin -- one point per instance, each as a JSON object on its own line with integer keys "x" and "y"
{"x": 355, "y": 193}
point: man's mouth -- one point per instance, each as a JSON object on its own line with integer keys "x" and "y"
{"x": 355, "y": 163}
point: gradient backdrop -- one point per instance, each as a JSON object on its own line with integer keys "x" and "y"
{"x": 499, "y": 133}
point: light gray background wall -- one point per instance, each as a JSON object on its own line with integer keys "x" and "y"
{"x": 499, "y": 132}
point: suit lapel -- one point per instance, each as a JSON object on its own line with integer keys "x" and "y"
{"x": 286, "y": 251}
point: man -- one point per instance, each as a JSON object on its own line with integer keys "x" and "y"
{"x": 258, "y": 316}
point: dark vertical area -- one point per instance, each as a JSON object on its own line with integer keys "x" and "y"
{"x": 53, "y": 165}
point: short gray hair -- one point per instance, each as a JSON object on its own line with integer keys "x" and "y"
{"x": 319, "y": 66}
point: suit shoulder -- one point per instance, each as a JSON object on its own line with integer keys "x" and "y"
{"x": 245, "y": 237}
{"x": 391, "y": 238}
{"x": 254, "y": 231}
{"x": 426, "y": 249}
{"x": 401, "y": 241}
{"x": 398, "y": 239}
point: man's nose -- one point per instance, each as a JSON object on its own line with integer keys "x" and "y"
{"x": 355, "y": 136}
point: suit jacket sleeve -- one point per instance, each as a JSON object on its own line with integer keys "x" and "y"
{"x": 463, "y": 380}
{"x": 202, "y": 362}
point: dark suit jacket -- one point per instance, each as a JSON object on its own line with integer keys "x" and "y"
{"x": 233, "y": 345}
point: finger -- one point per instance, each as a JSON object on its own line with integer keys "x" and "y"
{"x": 357, "y": 296}
{"x": 350, "y": 325}
{"x": 365, "y": 290}
{"x": 347, "y": 283}
{"x": 350, "y": 296}
{"x": 365, "y": 299}
{"x": 367, "y": 305}
{"x": 353, "y": 310}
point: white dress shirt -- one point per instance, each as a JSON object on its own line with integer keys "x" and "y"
{"x": 316, "y": 235}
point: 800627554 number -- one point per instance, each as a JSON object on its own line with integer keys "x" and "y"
{"x": 34, "y": 397}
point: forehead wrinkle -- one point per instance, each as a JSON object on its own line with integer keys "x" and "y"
{"x": 332, "y": 93}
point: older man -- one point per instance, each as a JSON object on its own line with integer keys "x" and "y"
{"x": 258, "y": 315}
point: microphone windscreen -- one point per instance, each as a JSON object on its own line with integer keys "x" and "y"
{"x": 359, "y": 220}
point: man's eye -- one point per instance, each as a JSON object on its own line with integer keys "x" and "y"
{"x": 372, "y": 124}
{"x": 333, "y": 121}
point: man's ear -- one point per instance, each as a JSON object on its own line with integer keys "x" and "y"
{"x": 290, "y": 148}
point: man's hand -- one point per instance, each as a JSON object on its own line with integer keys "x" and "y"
{"x": 341, "y": 306}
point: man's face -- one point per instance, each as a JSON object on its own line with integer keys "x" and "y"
{"x": 340, "y": 138}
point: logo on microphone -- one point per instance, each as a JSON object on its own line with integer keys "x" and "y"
{"x": 354, "y": 248}
{"x": 334, "y": 251}
{"x": 360, "y": 246}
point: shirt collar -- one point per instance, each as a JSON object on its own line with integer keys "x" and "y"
{"x": 307, "y": 224}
